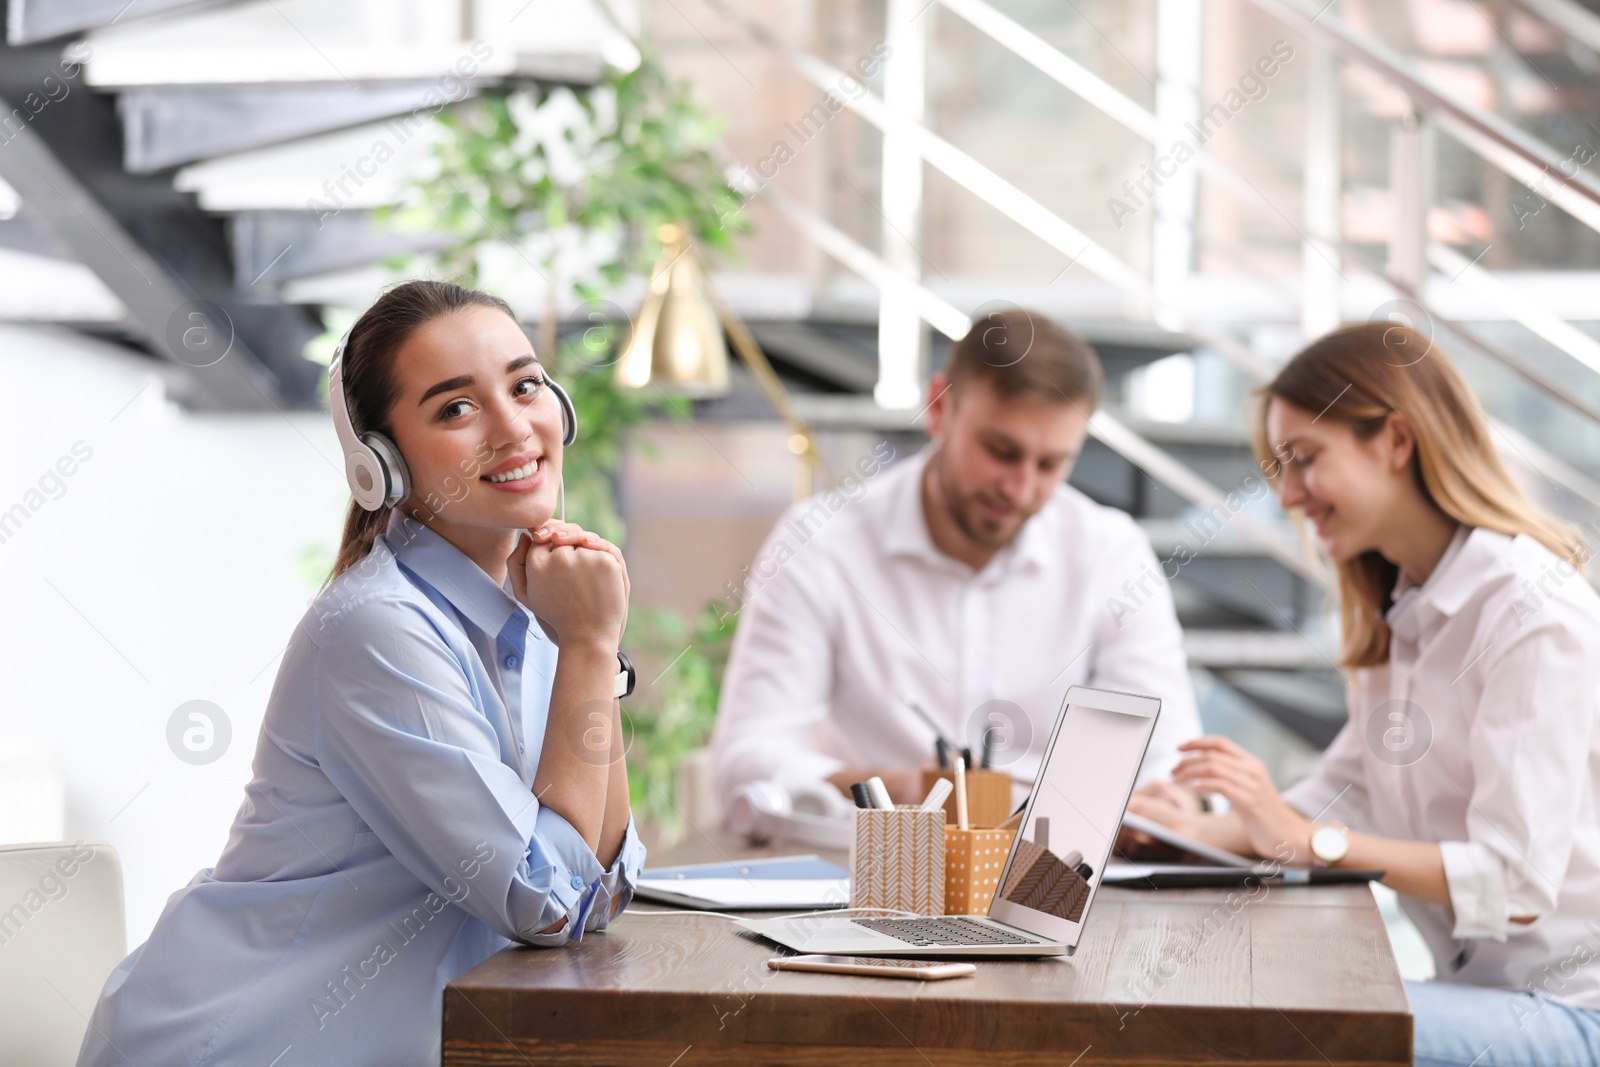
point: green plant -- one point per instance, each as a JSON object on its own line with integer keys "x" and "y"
{"x": 577, "y": 181}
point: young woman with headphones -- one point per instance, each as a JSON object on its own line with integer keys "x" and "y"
{"x": 432, "y": 782}
{"x": 1467, "y": 769}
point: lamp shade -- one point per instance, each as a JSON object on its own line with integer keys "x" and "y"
{"x": 677, "y": 341}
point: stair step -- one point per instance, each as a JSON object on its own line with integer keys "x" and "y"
{"x": 164, "y": 126}
{"x": 261, "y": 42}
{"x": 1201, "y": 536}
{"x": 1254, "y": 649}
{"x": 31, "y": 21}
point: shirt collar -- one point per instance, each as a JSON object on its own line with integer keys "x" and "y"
{"x": 907, "y": 533}
{"x": 451, "y": 572}
{"x": 1453, "y": 579}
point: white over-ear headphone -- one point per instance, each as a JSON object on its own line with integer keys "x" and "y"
{"x": 373, "y": 465}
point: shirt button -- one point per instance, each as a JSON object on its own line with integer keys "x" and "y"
{"x": 511, "y": 661}
{"x": 520, "y": 749}
{"x": 577, "y": 883}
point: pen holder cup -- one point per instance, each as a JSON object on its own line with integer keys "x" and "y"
{"x": 897, "y": 860}
{"x": 988, "y": 796}
{"x": 973, "y": 860}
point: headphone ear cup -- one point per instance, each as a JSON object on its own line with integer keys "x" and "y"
{"x": 396, "y": 478}
{"x": 569, "y": 415}
{"x": 369, "y": 481}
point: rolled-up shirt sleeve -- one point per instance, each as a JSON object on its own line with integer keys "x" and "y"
{"x": 1529, "y": 750}
{"x": 607, "y": 892}
{"x": 399, "y": 733}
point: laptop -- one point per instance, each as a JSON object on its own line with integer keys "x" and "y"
{"x": 1052, "y": 871}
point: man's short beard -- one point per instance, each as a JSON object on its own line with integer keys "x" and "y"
{"x": 955, "y": 507}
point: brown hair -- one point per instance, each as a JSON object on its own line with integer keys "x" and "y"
{"x": 370, "y": 386}
{"x": 1024, "y": 354}
{"x": 1359, "y": 375}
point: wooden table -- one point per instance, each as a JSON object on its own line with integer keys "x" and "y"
{"x": 1298, "y": 975}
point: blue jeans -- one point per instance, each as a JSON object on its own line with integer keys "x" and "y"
{"x": 1470, "y": 1026}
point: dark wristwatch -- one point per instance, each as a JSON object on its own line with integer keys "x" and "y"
{"x": 623, "y": 686}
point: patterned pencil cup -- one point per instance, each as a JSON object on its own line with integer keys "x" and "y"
{"x": 973, "y": 860}
{"x": 988, "y": 796}
{"x": 897, "y": 860}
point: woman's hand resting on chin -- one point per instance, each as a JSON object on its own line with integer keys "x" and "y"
{"x": 574, "y": 582}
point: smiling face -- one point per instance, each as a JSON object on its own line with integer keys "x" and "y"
{"x": 479, "y": 430}
{"x": 999, "y": 458}
{"x": 1350, "y": 489}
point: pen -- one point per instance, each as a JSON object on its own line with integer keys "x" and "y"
{"x": 961, "y": 793}
{"x": 936, "y": 796}
{"x": 966, "y": 757}
{"x": 940, "y": 734}
{"x": 880, "y": 793}
{"x": 862, "y": 796}
{"x": 942, "y": 750}
{"x": 988, "y": 745}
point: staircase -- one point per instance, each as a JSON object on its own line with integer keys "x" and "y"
{"x": 198, "y": 182}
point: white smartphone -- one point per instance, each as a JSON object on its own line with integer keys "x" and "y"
{"x": 925, "y": 970}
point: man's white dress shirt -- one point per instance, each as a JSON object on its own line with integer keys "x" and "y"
{"x": 1479, "y": 733}
{"x": 849, "y": 606}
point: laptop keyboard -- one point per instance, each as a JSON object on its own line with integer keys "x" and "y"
{"x": 948, "y": 931}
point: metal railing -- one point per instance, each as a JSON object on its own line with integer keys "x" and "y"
{"x": 1519, "y": 154}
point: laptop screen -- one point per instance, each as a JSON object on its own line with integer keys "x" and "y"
{"x": 1074, "y": 812}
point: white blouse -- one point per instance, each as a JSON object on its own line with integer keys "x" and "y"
{"x": 1479, "y": 734}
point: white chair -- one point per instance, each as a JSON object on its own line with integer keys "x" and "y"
{"x": 62, "y": 931}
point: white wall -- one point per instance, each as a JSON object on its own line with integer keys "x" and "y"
{"x": 170, "y": 568}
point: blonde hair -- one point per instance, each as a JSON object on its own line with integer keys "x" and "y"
{"x": 1361, "y": 374}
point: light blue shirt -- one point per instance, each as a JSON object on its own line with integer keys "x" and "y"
{"x": 389, "y": 839}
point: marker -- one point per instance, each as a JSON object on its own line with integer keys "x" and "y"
{"x": 862, "y": 795}
{"x": 942, "y": 752}
{"x": 936, "y": 796}
{"x": 961, "y": 793}
{"x": 988, "y": 746}
{"x": 880, "y": 793}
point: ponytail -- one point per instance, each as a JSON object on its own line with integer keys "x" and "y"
{"x": 369, "y": 381}
{"x": 361, "y": 529}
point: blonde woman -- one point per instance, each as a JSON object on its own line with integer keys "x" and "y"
{"x": 1472, "y": 653}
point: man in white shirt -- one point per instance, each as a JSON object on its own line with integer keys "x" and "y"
{"x": 968, "y": 579}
